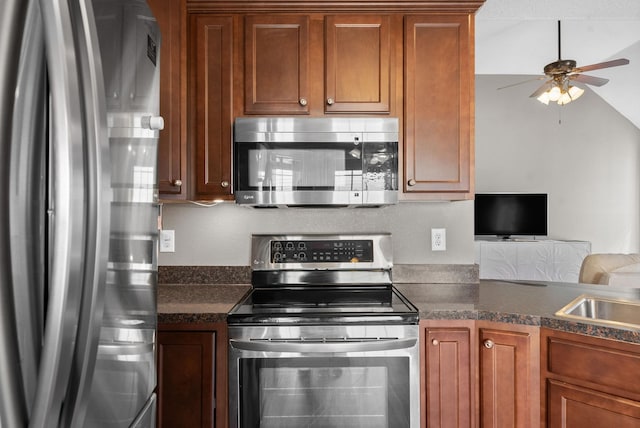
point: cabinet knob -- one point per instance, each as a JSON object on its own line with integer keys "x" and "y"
{"x": 225, "y": 183}
{"x": 488, "y": 343}
{"x": 435, "y": 342}
{"x": 330, "y": 101}
{"x": 411, "y": 182}
{"x": 176, "y": 182}
{"x": 303, "y": 101}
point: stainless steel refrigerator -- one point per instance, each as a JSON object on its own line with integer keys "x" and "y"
{"x": 79, "y": 123}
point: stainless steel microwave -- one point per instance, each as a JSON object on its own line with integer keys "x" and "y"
{"x": 286, "y": 161}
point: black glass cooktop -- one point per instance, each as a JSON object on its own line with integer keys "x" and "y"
{"x": 311, "y": 305}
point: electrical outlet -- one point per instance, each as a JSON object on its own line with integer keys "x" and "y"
{"x": 167, "y": 241}
{"x": 438, "y": 239}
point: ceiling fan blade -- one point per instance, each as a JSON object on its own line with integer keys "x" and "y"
{"x": 523, "y": 82}
{"x": 545, "y": 86}
{"x": 606, "y": 64}
{"x": 589, "y": 80}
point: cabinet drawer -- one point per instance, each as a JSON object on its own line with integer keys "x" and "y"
{"x": 600, "y": 361}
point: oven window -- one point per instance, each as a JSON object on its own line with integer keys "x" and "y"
{"x": 371, "y": 392}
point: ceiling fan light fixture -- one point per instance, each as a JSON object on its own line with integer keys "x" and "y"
{"x": 565, "y": 98}
{"x": 554, "y": 93}
{"x": 575, "y": 92}
{"x": 544, "y": 98}
{"x": 561, "y": 73}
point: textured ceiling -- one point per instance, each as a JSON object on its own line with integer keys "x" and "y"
{"x": 520, "y": 37}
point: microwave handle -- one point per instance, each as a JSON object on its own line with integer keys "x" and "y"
{"x": 323, "y": 347}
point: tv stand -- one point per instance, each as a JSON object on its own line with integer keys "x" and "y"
{"x": 536, "y": 260}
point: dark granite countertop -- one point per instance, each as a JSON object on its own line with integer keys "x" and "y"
{"x": 193, "y": 303}
{"x": 519, "y": 302}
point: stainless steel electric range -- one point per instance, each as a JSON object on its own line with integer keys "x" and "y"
{"x": 323, "y": 339}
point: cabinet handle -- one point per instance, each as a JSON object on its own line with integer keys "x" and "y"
{"x": 225, "y": 183}
{"x": 488, "y": 343}
{"x": 411, "y": 182}
{"x": 155, "y": 123}
{"x": 176, "y": 182}
{"x": 435, "y": 342}
{"x": 303, "y": 101}
{"x": 330, "y": 101}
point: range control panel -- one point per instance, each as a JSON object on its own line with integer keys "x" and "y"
{"x": 321, "y": 251}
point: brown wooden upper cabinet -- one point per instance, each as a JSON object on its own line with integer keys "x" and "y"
{"x": 283, "y": 54}
{"x": 221, "y": 60}
{"x": 358, "y": 64}
{"x": 438, "y": 102}
{"x": 172, "y": 151}
{"x": 276, "y": 64}
{"x": 210, "y": 121}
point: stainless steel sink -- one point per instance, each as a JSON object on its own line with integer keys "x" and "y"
{"x": 617, "y": 312}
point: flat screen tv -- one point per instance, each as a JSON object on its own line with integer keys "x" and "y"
{"x": 507, "y": 214}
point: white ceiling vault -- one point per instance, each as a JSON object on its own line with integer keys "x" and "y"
{"x": 521, "y": 37}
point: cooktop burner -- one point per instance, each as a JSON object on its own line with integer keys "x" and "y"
{"x": 319, "y": 279}
{"x": 320, "y": 304}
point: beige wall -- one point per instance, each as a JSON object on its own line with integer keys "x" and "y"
{"x": 220, "y": 235}
{"x": 585, "y": 155}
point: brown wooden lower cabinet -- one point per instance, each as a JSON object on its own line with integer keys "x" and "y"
{"x": 479, "y": 373}
{"x": 509, "y": 375}
{"x": 448, "y": 374}
{"x": 192, "y": 375}
{"x": 571, "y": 406}
{"x": 589, "y": 381}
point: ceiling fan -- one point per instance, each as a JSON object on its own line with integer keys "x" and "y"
{"x": 562, "y": 73}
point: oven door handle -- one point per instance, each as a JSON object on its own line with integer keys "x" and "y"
{"x": 323, "y": 347}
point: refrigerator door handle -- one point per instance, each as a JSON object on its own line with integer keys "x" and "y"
{"x": 27, "y": 189}
{"x": 13, "y": 407}
{"x": 98, "y": 204}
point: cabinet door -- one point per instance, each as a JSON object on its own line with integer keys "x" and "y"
{"x": 447, "y": 366}
{"x": 276, "y": 64}
{"x": 571, "y": 406}
{"x": 509, "y": 378}
{"x": 439, "y": 105}
{"x": 210, "y": 83}
{"x": 172, "y": 151}
{"x": 186, "y": 379}
{"x": 357, "y": 63}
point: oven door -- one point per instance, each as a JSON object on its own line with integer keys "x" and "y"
{"x": 324, "y": 376}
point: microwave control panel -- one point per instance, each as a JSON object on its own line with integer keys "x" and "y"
{"x": 322, "y": 251}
